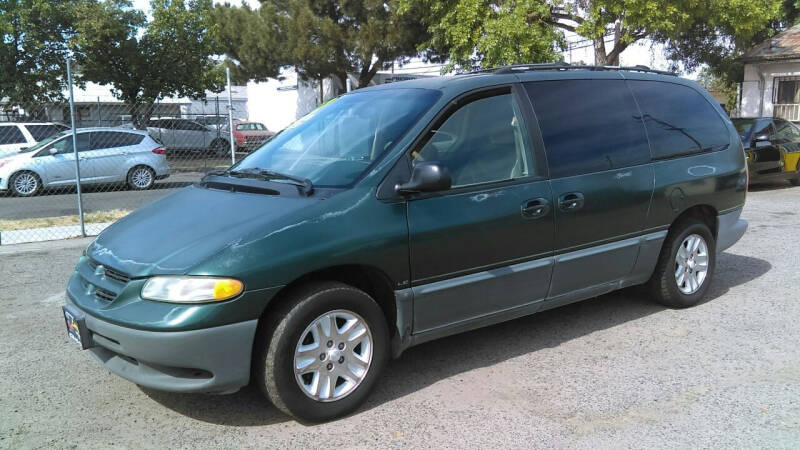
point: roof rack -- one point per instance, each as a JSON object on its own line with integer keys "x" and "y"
{"x": 517, "y": 68}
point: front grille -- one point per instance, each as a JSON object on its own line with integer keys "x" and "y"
{"x": 110, "y": 273}
{"x": 103, "y": 294}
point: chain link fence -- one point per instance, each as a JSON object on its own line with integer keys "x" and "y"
{"x": 56, "y": 184}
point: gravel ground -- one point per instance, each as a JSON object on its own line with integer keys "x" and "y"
{"x": 616, "y": 371}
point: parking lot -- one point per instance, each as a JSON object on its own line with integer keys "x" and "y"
{"x": 615, "y": 371}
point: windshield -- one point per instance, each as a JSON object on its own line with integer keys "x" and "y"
{"x": 42, "y": 144}
{"x": 334, "y": 144}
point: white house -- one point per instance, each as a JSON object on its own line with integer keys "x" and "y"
{"x": 771, "y": 86}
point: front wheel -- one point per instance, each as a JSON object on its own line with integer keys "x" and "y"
{"x": 25, "y": 184}
{"x": 321, "y": 354}
{"x": 686, "y": 265}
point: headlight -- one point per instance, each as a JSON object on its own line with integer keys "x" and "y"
{"x": 191, "y": 289}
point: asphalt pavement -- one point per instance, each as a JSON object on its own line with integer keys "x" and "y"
{"x": 64, "y": 202}
{"x": 617, "y": 371}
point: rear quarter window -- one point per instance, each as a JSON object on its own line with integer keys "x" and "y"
{"x": 11, "y": 134}
{"x": 42, "y": 132}
{"x": 588, "y": 125}
{"x": 679, "y": 120}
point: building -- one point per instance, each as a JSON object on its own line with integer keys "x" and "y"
{"x": 771, "y": 85}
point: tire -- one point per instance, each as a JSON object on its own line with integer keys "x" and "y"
{"x": 141, "y": 178}
{"x": 25, "y": 184}
{"x": 664, "y": 285}
{"x": 220, "y": 148}
{"x": 279, "y": 341}
{"x": 795, "y": 181}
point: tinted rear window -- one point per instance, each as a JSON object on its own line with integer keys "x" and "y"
{"x": 10, "y": 134}
{"x": 679, "y": 120}
{"x": 113, "y": 139}
{"x": 588, "y": 125}
{"x": 41, "y": 132}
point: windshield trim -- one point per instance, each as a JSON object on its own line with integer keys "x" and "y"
{"x": 380, "y": 158}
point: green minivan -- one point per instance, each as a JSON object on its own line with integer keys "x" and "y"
{"x": 410, "y": 211}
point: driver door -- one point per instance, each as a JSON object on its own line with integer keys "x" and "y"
{"x": 483, "y": 246}
{"x": 59, "y": 168}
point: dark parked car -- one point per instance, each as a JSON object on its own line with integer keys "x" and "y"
{"x": 772, "y": 147}
{"x": 410, "y": 211}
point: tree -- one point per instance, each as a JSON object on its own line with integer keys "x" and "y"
{"x": 487, "y": 33}
{"x": 628, "y": 21}
{"x": 623, "y": 22}
{"x": 147, "y": 61}
{"x": 719, "y": 45}
{"x": 33, "y": 48}
{"x": 321, "y": 38}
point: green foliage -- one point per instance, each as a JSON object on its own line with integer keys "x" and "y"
{"x": 482, "y": 33}
{"x": 719, "y": 44}
{"x": 321, "y": 38}
{"x": 147, "y": 61}
{"x": 721, "y": 88}
{"x": 33, "y": 47}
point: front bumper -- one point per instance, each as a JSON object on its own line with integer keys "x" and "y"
{"x": 212, "y": 360}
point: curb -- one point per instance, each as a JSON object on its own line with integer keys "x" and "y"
{"x": 50, "y": 233}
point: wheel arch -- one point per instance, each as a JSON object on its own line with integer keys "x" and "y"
{"x": 372, "y": 280}
{"x": 26, "y": 169}
{"x": 705, "y": 213}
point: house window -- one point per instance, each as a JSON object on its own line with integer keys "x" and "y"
{"x": 787, "y": 90}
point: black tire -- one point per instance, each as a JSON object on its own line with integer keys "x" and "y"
{"x": 663, "y": 284}
{"x": 795, "y": 181}
{"x": 28, "y": 175}
{"x": 141, "y": 178}
{"x": 280, "y": 333}
{"x": 220, "y": 148}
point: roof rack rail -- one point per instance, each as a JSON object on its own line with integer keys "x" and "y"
{"x": 517, "y": 68}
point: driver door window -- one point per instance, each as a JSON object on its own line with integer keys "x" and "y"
{"x": 484, "y": 141}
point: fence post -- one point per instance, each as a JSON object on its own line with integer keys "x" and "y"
{"x": 75, "y": 148}
{"x": 230, "y": 117}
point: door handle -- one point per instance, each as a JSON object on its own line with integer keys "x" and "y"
{"x": 535, "y": 208}
{"x": 570, "y": 202}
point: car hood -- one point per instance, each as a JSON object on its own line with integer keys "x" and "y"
{"x": 179, "y": 231}
{"x": 16, "y": 156}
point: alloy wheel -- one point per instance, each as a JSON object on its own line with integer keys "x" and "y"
{"x": 141, "y": 178}
{"x": 333, "y": 355}
{"x": 691, "y": 264}
{"x": 25, "y": 183}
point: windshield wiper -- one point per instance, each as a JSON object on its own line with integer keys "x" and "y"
{"x": 305, "y": 185}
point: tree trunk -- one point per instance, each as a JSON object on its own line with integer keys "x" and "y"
{"x": 140, "y": 114}
{"x": 600, "y": 57}
{"x": 321, "y": 90}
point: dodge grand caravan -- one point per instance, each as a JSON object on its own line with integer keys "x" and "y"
{"x": 406, "y": 212}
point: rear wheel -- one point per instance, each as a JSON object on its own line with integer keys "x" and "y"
{"x": 686, "y": 265}
{"x": 141, "y": 178}
{"x": 795, "y": 181}
{"x": 25, "y": 184}
{"x": 321, "y": 354}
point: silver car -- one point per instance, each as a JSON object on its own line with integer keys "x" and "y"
{"x": 185, "y": 134}
{"x": 107, "y": 155}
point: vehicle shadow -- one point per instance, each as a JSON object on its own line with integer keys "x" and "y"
{"x": 426, "y": 364}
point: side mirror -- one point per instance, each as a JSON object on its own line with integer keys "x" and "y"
{"x": 53, "y": 150}
{"x": 426, "y": 177}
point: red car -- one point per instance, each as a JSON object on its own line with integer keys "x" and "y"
{"x": 250, "y": 135}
